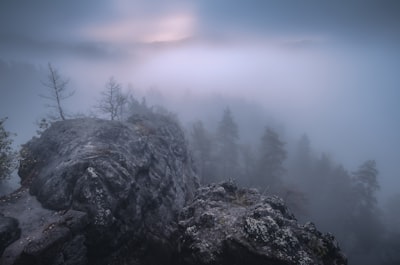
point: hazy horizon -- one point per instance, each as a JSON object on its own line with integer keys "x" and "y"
{"x": 325, "y": 69}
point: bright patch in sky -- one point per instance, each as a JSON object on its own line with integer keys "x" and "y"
{"x": 172, "y": 27}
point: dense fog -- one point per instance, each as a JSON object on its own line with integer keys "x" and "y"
{"x": 295, "y": 99}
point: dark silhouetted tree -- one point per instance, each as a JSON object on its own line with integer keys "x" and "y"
{"x": 227, "y": 146}
{"x": 322, "y": 172}
{"x": 366, "y": 184}
{"x": 303, "y": 159}
{"x": 366, "y": 225}
{"x": 7, "y": 155}
{"x": 301, "y": 164}
{"x": 201, "y": 143}
{"x": 335, "y": 201}
{"x": 272, "y": 154}
{"x": 57, "y": 92}
{"x": 317, "y": 189}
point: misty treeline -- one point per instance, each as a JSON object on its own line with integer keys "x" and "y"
{"x": 315, "y": 187}
{"x": 240, "y": 142}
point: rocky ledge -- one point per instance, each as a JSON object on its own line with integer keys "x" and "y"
{"x": 42, "y": 236}
{"x": 228, "y": 225}
{"x": 108, "y": 192}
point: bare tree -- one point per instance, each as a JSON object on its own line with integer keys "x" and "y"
{"x": 113, "y": 100}
{"x": 57, "y": 91}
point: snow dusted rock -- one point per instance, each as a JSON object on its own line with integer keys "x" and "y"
{"x": 131, "y": 178}
{"x": 228, "y": 225}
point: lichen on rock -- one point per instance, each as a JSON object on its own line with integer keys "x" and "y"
{"x": 261, "y": 231}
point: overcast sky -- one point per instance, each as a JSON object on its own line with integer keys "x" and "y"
{"x": 330, "y": 69}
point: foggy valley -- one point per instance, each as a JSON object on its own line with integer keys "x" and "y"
{"x": 298, "y": 100}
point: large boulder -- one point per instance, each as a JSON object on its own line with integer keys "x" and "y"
{"x": 228, "y": 225}
{"x": 131, "y": 178}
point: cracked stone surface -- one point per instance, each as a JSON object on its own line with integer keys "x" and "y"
{"x": 228, "y": 225}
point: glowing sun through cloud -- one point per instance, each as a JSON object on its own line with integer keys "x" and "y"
{"x": 172, "y": 28}
{"x": 167, "y": 28}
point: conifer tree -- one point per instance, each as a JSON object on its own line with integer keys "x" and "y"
{"x": 301, "y": 164}
{"x": 202, "y": 150}
{"x": 227, "y": 146}
{"x": 366, "y": 184}
{"x": 271, "y": 157}
{"x": 366, "y": 224}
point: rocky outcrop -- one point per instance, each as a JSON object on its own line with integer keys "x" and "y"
{"x": 108, "y": 192}
{"x": 131, "y": 178}
{"x": 228, "y": 225}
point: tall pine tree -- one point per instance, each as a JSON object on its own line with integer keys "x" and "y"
{"x": 366, "y": 184}
{"x": 366, "y": 224}
{"x": 227, "y": 147}
{"x": 270, "y": 164}
{"x": 301, "y": 164}
{"x": 202, "y": 150}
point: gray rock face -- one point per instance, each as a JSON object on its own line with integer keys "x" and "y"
{"x": 228, "y": 225}
{"x": 9, "y": 231}
{"x": 107, "y": 192}
{"x": 131, "y": 178}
